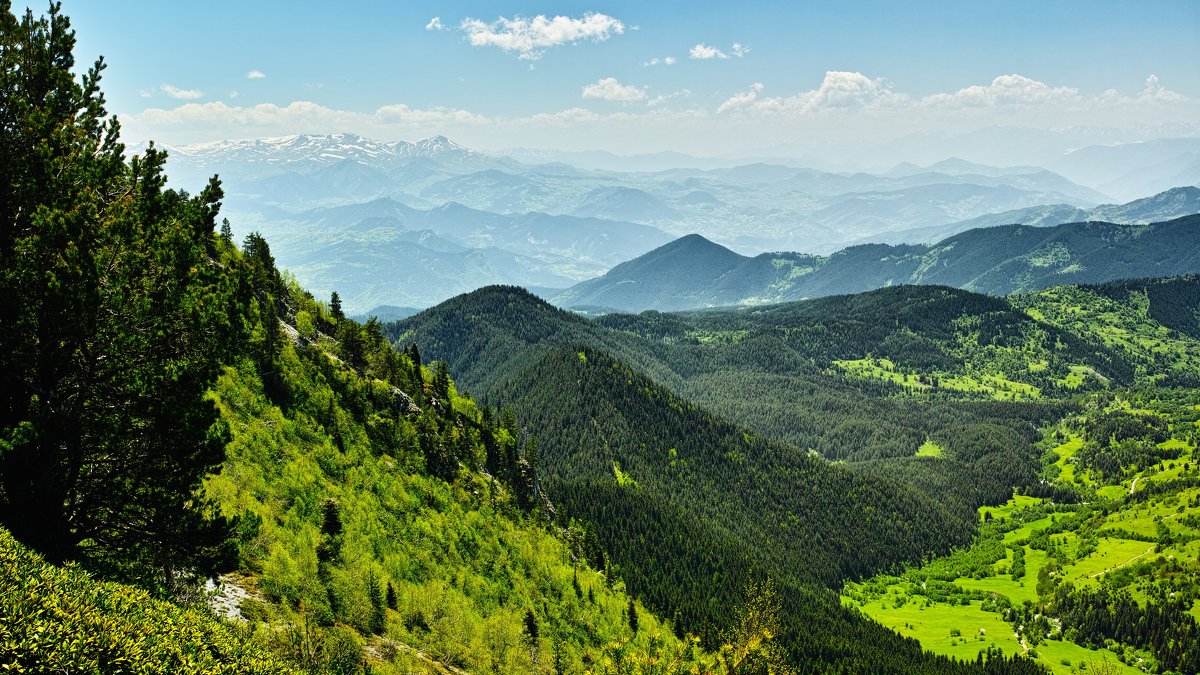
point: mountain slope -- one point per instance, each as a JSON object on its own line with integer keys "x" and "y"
{"x": 699, "y": 494}
{"x": 672, "y": 276}
{"x": 998, "y": 260}
{"x": 1170, "y": 204}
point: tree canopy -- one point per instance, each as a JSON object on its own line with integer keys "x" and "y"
{"x": 120, "y": 301}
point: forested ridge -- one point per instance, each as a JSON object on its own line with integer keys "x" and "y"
{"x": 692, "y": 272}
{"x": 948, "y": 413}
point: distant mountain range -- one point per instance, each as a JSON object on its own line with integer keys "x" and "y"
{"x": 385, "y": 253}
{"x": 1164, "y": 206}
{"x": 411, "y": 224}
{"x": 693, "y": 272}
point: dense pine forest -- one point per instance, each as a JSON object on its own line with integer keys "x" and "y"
{"x": 206, "y": 468}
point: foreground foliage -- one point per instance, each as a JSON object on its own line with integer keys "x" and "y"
{"x": 55, "y": 620}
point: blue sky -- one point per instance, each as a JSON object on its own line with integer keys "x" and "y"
{"x": 787, "y": 72}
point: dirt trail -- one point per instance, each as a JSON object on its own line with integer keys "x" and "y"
{"x": 1113, "y": 569}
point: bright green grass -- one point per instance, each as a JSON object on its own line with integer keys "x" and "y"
{"x": 1027, "y": 530}
{"x": 1016, "y": 591}
{"x": 1066, "y": 452}
{"x": 932, "y": 626}
{"x": 1110, "y": 554}
{"x": 1138, "y": 522}
{"x": 1006, "y": 510}
{"x": 1052, "y": 652}
{"x": 1112, "y": 491}
{"x": 879, "y": 369}
{"x": 996, "y": 385}
{"x": 929, "y": 449}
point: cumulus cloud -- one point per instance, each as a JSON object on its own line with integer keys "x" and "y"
{"x": 610, "y": 89}
{"x": 529, "y": 38}
{"x": 184, "y": 94}
{"x": 1154, "y": 92}
{"x": 742, "y": 100}
{"x": 400, "y": 113}
{"x": 435, "y": 24}
{"x": 1003, "y": 90}
{"x": 703, "y": 52}
{"x": 255, "y": 75}
{"x": 839, "y": 89}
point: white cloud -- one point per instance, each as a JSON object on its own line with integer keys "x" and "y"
{"x": 661, "y": 99}
{"x": 610, "y": 89}
{"x": 1156, "y": 93}
{"x": 400, "y": 113}
{"x": 666, "y": 61}
{"x": 742, "y": 100}
{"x": 435, "y": 24}
{"x": 839, "y": 90}
{"x": 233, "y": 93}
{"x": 255, "y": 75}
{"x": 529, "y": 38}
{"x": 703, "y": 51}
{"x": 1003, "y": 90}
{"x": 146, "y": 93}
{"x": 184, "y": 94}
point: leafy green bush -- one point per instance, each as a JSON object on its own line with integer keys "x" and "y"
{"x": 62, "y": 620}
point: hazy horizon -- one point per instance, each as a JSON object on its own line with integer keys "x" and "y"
{"x": 857, "y": 86}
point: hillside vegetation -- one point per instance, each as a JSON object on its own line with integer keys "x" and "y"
{"x": 1114, "y": 572}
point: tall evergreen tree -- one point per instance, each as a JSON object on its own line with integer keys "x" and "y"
{"x": 119, "y": 302}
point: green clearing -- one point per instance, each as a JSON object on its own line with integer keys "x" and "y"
{"x": 929, "y": 449}
{"x": 1016, "y": 591}
{"x": 996, "y": 385}
{"x": 1066, "y": 454}
{"x": 1141, "y": 535}
{"x": 1006, "y": 510}
{"x": 1110, "y": 554}
{"x": 933, "y": 626}
{"x": 1026, "y": 531}
{"x": 880, "y": 369}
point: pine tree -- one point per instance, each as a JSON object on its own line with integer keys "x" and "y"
{"x": 335, "y": 307}
{"x": 120, "y": 302}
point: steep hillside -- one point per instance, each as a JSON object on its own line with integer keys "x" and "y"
{"x": 1153, "y": 323}
{"x": 367, "y": 520}
{"x": 996, "y": 260}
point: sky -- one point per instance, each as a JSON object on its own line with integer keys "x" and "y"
{"x": 721, "y": 79}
